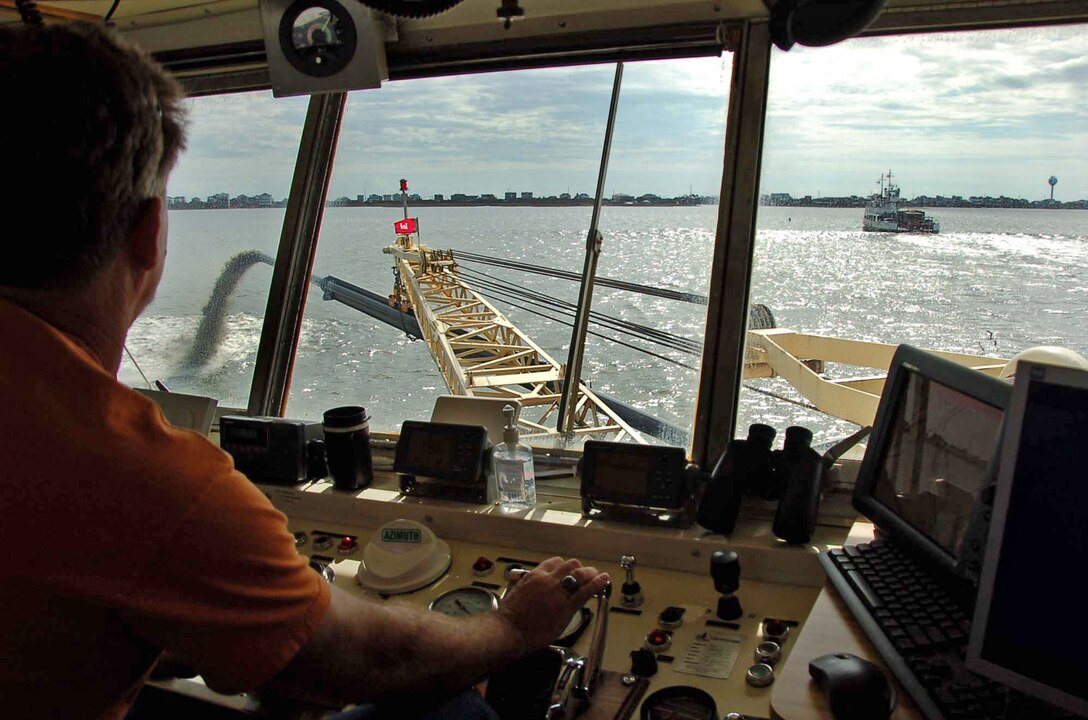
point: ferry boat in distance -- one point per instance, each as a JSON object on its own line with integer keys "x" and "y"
{"x": 882, "y": 213}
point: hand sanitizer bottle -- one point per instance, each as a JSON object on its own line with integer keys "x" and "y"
{"x": 514, "y": 469}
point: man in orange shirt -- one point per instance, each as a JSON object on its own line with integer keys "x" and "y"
{"x": 128, "y": 537}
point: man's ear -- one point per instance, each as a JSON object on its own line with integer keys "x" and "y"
{"x": 146, "y": 237}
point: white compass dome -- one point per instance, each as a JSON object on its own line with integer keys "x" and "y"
{"x": 1049, "y": 354}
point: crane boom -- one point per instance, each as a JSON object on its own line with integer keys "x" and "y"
{"x": 480, "y": 353}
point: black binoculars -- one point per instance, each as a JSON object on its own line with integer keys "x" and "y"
{"x": 791, "y": 476}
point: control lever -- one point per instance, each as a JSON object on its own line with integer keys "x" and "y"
{"x": 630, "y": 591}
{"x": 725, "y": 570}
{"x": 578, "y": 674}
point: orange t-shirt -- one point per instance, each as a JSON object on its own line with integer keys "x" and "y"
{"x": 125, "y": 536}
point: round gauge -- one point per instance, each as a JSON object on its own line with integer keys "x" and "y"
{"x": 679, "y": 702}
{"x": 317, "y": 36}
{"x": 469, "y": 600}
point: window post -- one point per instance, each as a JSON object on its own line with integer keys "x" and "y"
{"x": 295, "y": 256}
{"x": 731, "y": 270}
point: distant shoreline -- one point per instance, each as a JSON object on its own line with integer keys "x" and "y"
{"x": 1074, "y": 205}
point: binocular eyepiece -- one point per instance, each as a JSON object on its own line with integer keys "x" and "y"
{"x": 791, "y": 476}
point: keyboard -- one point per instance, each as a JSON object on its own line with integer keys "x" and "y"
{"x": 921, "y": 631}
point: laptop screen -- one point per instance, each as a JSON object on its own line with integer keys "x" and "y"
{"x": 931, "y": 451}
{"x": 1037, "y": 544}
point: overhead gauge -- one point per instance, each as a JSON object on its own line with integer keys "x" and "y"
{"x": 318, "y": 37}
{"x": 463, "y": 601}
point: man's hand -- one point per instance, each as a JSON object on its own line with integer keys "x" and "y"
{"x": 364, "y": 649}
{"x": 538, "y": 605}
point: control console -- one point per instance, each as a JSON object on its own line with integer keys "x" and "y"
{"x": 665, "y": 630}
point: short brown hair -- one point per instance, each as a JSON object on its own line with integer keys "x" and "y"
{"x": 91, "y": 130}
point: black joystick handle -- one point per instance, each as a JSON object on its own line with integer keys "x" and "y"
{"x": 725, "y": 569}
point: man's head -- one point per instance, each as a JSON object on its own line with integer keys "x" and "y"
{"x": 91, "y": 129}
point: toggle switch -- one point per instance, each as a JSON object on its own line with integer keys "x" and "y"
{"x": 630, "y": 591}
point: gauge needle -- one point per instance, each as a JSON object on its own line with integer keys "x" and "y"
{"x": 460, "y": 605}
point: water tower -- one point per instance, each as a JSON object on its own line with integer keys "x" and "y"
{"x": 1053, "y": 181}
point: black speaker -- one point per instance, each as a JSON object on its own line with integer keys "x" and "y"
{"x": 316, "y": 46}
{"x": 820, "y": 22}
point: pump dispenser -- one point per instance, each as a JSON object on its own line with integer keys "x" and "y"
{"x": 514, "y": 473}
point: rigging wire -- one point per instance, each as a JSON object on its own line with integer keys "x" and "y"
{"x": 783, "y": 398}
{"x": 642, "y": 332}
{"x": 694, "y": 346}
{"x": 506, "y": 295}
{"x": 567, "y": 275}
{"x": 138, "y": 368}
{"x": 509, "y": 299}
{"x": 603, "y": 337}
{"x": 634, "y": 329}
{"x": 109, "y": 15}
{"x": 507, "y": 290}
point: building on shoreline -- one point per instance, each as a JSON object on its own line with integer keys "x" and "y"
{"x": 524, "y": 198}
{"x": 264, "y": 200}
{"x": 938, "y": 201}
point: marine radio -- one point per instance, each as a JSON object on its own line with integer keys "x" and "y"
{"x": 443, "y": 460}
{"x": 274, "y": 450}
{"x": 646, "y": 484}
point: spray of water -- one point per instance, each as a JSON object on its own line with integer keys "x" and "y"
{"x": 210, "y": 332}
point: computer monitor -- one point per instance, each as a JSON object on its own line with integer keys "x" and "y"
{"x": 930, "y": 453}
{"x": 1029, "y": 629}
{"x": 486, "y": 411}
{"x": 189, "y": 412}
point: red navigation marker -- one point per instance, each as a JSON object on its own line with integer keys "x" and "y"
{"x": 406, "y": 226}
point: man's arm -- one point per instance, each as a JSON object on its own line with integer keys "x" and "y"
{"x": 363, "y": 649}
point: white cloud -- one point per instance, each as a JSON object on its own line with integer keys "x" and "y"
{"x": 966, "y": 113}
{"x": 993, "y": 112}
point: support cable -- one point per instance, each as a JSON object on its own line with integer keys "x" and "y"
{"x": 507, "y": 290}
{"x": 603, "y": 337}
{"x": 507, "y": 296}
{"x": 644, "y": 332}
{"x": 679, "y": 295}
{"x": 689, "y": 347}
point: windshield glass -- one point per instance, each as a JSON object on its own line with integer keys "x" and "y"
{"x": 927, "y": 189}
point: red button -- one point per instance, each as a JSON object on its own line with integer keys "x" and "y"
{"x": 482, "y": 566}
{"x": 347, "y": 544}
{"x": 658, "y": 640}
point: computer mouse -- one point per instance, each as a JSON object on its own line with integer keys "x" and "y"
{"x": 856, "y": 689}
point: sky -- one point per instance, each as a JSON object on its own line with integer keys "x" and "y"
{"x": 978, "y": 113}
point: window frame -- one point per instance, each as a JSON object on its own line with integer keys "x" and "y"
{"x": 721, "y": 366}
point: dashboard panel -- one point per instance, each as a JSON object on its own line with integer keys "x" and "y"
{"x": 700, "y": 650}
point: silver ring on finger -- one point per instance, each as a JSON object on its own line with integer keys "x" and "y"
{"x": 569, "y": 583}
